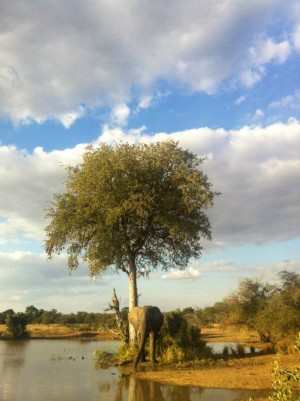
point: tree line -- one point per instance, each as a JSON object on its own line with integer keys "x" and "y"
{"x": 33, "y": 315}
{"x": 273, "y": 310}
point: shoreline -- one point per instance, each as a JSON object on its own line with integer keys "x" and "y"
{"x": 252, "y": 372}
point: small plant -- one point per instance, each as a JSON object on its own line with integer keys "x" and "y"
{"x": 126, "y": 353}
{"x": 285, "y": 380}
{"x": 104, "y": 359}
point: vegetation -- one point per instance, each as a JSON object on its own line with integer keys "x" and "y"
{"x": 133, "y": 208}
{"x": 272, "y": 310}
{"x": 284, "y": 380}
{"x": 16, "y": 325}
{"x": 85, "y": 320}
{"x": 180, "y": 341}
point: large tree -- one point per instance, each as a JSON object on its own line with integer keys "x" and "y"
{"x": 132, "y": 208}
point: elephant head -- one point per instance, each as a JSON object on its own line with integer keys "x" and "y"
{"x": 146, "y": 320}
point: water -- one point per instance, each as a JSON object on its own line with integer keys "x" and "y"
{"x": 218, "y": 347}
{"x": 64, "y": 370}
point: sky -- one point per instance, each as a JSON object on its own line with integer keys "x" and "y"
{"x": 221, "y": 77}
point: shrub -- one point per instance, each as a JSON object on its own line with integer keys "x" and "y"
{"x": 179, "y": 341}
{"x": 285, "y": 380}
{"x": 16, "y": 325}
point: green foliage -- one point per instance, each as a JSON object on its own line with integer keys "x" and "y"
{"x": 16, "y": 325}
{"x": 103, "y": 358}
{"x": 126, "y": 353}
{"x": 179, "y": 341}
{"x": 274, "y": 311}
{"x": 132, "y": 207}
{"x": 284, "y": 380}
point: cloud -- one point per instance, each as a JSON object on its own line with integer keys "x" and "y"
{"x": 59, "y": 62}
{"x": 240, "y": 100}
{"x": 290, "y": 101}
{"x": 27, "y": 184}
{"x": 120, "y": 114}
{"x": 28, "y": 278}
{"x": 188, "y": 274}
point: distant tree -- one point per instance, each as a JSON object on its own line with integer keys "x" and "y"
{"x": 4, "y": 314}
{"x": 32, "y": 314}
{"x": 247, "y": 302}
{"x": 49, "y": 317}
{"x": 133, "y": 208}
{"x": 281, "y": 316}
{"x": 272, "y": 310}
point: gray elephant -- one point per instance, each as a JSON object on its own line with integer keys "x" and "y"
{"x": 146, "y": 320}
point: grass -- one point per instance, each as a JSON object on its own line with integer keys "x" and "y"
{"x": 60, "y": 331}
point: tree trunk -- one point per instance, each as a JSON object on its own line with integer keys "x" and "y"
{"x": 133, "y": 298}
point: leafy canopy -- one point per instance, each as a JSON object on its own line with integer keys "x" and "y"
{"x": 141, "y": 203}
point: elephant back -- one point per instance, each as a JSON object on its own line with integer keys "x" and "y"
{"x": 155, "y": 318}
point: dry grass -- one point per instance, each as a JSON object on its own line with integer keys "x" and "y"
{"x": 57, "y": 331}
{"x": 230, "y": 334}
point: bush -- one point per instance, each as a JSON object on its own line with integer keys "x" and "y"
{"x": 180, "y": 341}
{"x": 16, "y": 325}
{"x": 285, "y": 380}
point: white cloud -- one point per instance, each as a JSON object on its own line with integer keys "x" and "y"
{"x": 188, "y": 274}
{"x": 269, "y": 50}
{"x": 27, "y": 184}
{"x": 58, "y": 60}
{"x": 258, "y": 114}
{"x": 251, "y": 77}
{"x": 120, "y": 114}
{"x": 291, "y": 101}
{"x": 240, "y": 100}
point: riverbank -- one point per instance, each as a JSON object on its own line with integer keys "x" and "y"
{"x": 59, "y": 332}
{"x": 252, "y": 372}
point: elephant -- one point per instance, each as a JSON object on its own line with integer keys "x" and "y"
{"x": 146, "y": 320}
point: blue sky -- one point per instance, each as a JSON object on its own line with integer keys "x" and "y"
{"x": 221, "y": 77}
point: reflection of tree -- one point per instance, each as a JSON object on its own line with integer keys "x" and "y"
{"x": 178, "y": 393}
{"x": 132, "y": 389}
{"x": 141, "y": 390}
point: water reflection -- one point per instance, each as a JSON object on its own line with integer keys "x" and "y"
{"x": 131, "y": 389}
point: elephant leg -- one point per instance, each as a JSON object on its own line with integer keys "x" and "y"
{"x": 153, "y": 347}
{"x": 141, "y": 348}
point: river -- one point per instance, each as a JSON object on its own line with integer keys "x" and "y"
{"x": 65, "y": 370}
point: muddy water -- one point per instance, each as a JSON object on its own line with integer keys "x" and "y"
{"x": 64, "y": 370}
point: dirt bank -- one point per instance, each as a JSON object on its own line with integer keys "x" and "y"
{"x": 247, "y": 373}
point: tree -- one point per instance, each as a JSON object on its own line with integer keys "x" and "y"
{"x": 247, "y": 304}
{"x": 133, "y": 208}
{"x": 16, "y": 324}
